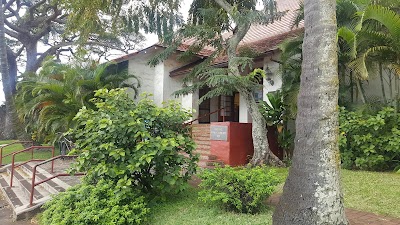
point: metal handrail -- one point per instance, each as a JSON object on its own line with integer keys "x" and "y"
{"x": 204, "y": 115}
{"x": 49, "y": 178}
{"x": 25, "y": 150}
{"x": 13, "y": 143}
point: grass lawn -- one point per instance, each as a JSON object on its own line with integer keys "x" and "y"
{"x": 372, "y": 192}
{"x": 365, "y": 191}
{"x": 38, "y": 154}
{"x": 186, "y": 209}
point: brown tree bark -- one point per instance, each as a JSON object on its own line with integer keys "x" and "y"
{"x": 312, "y": 192}
{"x": 8, "y": 129}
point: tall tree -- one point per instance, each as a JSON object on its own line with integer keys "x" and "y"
{"x": 5, "y": 77}
{"x": 312, "y": 193}
{"x": 37, "y": 29}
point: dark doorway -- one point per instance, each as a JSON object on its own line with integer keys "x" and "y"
{"x": 204, "y": 107}
{"x": 230, "y": 108}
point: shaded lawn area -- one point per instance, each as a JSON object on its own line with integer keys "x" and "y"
{"x": 187, "y": 209}
{"x": 365, "y": 191}
{"x": 38, "y": 154}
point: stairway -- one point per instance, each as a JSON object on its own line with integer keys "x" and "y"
{"x": 201, "y": 136}
{"x": 19, "y": 194}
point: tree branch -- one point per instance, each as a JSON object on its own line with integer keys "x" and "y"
{"x": 15, "y": 28}
{"x": 8, "y": 4}
{"x": 225, "y": 5}
{"x": 33, "y": 8}
{"x": 11, "y": 33}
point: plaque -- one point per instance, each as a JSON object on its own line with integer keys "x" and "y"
{"x": 219, "y": 133}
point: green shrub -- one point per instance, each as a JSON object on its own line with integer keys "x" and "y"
{"x": 370, "y": 141}
{"x": 95, "y": 204}
{"x": 135, "y": 144}
{"x": 238, "y": 189}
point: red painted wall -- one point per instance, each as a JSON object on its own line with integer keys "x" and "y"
{"x": 238, "y": 148}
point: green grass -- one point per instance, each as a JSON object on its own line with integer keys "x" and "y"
{"x": 187, "y": 209}
{"x": 374, "y": 192}
{"x": 365, "y": 191}
{"x": 22, "y": 157}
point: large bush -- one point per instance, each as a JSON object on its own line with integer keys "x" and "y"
{"x": 370, "y": 141}
{"x": 238, "y": 189}
{"x": 135, "y": 144}
{"x": 95, "y": 204}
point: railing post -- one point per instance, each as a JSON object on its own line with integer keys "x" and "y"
{"x": 52, "y": 162}
{"x": 32, "y": 186}
{"x": 12, "y": 170}
{"x": 1, "y": 156}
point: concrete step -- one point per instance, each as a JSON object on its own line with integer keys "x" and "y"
{"x": 203, "y": 151}
{"x": 200, "y": 142}
{"x": 23, "y": 181}
{"x": 203, "y": 157}
{"x": 203, "y": 148}
{"x": 53, "y": 186}
{"x": 201, "y": 138}
{"x": 18, "y": 195}
{"x": 210, "y": 163}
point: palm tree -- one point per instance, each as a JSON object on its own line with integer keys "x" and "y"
{"x": 312, "y": 192}
{"x": 378, "y": 40}
{"x": 48, "y": 101}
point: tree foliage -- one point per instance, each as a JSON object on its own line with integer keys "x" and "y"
{"x": 87, "y": 16}
{"x": 100, "y": 203}
{"x": 48, "y": 101}
{"x": 37, "y": 29}
{"x": 135, "y": 145}
{"x": 370, "y": 141}
{"x": 238, "y": 189}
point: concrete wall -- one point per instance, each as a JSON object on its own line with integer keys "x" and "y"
{"x": 172, "y": 84}
{"x": 156, "y": 80}
{"x": 145, "y": 73}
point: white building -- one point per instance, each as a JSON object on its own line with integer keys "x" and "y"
{"x": 165, "y": 78}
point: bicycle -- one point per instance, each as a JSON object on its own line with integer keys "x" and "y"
{"x": 65, "y": 145}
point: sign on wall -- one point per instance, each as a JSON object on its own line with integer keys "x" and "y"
{"x": 219, "y": 133}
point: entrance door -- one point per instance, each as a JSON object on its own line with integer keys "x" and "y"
{"x": 230, "y": 108}
{"x": 204, "y": 107}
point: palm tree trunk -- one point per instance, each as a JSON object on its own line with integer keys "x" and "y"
{"x": 351, "y": 87}
{"x": 382, "y": 83}
{"x": 8, "y": 130}
{"x": 312, "y": 193}
{"x": 361, "y": 91}
{"x": 397, "y": 94}
{"x": 390, "y": 85}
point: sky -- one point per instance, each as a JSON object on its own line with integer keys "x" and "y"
{"x": 151, "y": 39}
